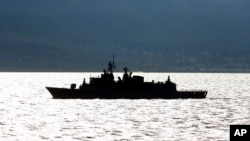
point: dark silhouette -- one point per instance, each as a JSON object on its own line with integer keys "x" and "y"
{"x": 84, "y": 82}
{"x": 110, "y": 68}
{"x": 125, "y": 75}
{"x": 130, "y": 87}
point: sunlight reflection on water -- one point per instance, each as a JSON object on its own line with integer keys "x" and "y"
{"x": 28, "y": 112}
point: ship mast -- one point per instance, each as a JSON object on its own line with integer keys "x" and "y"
{"x": 113, "y": 63}
{"x": 111, "y": 66}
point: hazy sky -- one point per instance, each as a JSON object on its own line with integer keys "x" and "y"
{"x": 125, "y": 20}
{"x": 122, "y": 26}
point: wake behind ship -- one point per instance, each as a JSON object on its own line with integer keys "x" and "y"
{"x": 127, "y": 87}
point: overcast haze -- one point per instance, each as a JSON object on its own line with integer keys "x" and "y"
{"x": 145, "y": 35}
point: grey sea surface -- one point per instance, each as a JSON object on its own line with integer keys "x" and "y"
{"x": 28, "y": 112}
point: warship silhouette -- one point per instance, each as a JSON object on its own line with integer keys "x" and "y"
{"x": 129, "y": 87}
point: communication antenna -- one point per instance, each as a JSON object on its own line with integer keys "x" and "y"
{"x": 113, "y": 63}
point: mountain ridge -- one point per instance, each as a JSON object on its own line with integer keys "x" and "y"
{"x": 148, "y": 36}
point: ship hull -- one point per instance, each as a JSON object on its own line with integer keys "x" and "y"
{"x": 65, "y": 93}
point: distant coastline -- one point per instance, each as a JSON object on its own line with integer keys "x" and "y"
{"x": 136, "y": 71}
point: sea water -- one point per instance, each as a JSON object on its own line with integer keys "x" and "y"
{"x": 28, "y": 112}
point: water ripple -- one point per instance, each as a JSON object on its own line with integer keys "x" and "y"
{"x": 29, "y": 113}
